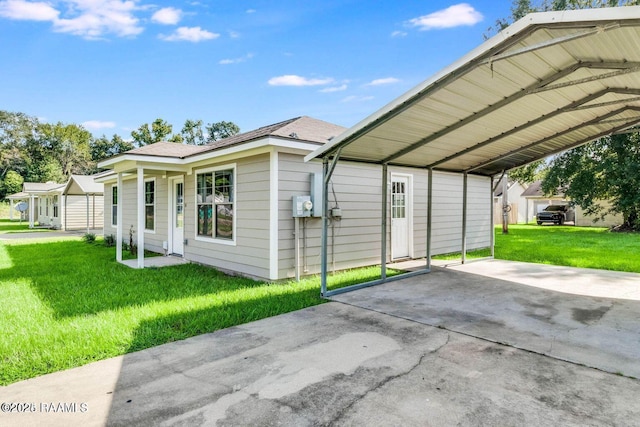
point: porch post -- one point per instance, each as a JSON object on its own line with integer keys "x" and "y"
{"x": 429, "y": 216}
{"x": 383, "y": 226}
{"x": 118, "y": 218}
{"x": 464, "y": 218}
{"x": 140, "y": 229}
{"x": 87, "y": 196}
{"x": 10, "y": 209}
{"x": 32, "y": 204}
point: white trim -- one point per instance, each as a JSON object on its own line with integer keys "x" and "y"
{"x": 119, "y": 220}
{"x": 171, "y": 214}
{"x": 155, "y": 204}
{"x": 232, "y": 241}
{"x": 141, "y": 216}
{"x": 273, "y": 215}
{"x": 111, "y": 210}
{"x": 409, "y": 208}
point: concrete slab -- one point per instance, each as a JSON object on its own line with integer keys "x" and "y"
{"x": 332, "y": 364}
{"x": 546, "y": 312}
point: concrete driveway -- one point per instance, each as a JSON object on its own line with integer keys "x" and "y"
{"x": 352, "y": 363}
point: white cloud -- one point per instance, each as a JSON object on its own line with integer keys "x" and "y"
{"x": 453, "y": 16}
{"x": 399, "y": 34}
{"x": 334, "y": 89}
{"x": 93, "y": 19}
{"x": 236, "y": 60}
{"x": 22, "y": 10}
{"x": 385, "y": 81}
{"x": 97, "y": 124}
{"x": 293, "y": 80}
{"x": 251, "y": 11}
{"x": 190, "y": 34}
{"x": 167, "y": 16}
{"x": 354, "y": 98}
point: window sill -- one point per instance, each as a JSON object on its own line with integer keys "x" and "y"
{"x": 214, "y": 240}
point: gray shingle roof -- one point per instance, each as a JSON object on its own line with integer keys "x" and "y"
{"x": 303, "y": 128}
{"x": 41, "y": 187}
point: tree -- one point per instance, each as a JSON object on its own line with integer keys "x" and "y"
{"x": 11, "y": 184}
{"x": 603, "y": 170}
{"x": 68, "y": 144}
{"x": 221, "y": 130}
{"x": 159, "y": 130}
{"x": 103, "y": 148}
{"x": 192, "y": 133}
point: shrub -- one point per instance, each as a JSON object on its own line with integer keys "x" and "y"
{"x": 89, "y": 237}
{"x": 109, "y": 240}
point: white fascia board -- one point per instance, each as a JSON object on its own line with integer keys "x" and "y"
{"x": 583, "y": 17}
{"x": 138, "y": 158}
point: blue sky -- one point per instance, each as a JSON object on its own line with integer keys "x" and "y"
{"x": 112, "y": 65}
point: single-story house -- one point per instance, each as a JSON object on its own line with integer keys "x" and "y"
{"x": 537, "y": 201}
{"x": 241, "y": 204}
{"x": 75, "y": 205}
{"x": 517, "y": 204}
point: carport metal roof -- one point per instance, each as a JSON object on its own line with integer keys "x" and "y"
{"x": 547, "y": 83}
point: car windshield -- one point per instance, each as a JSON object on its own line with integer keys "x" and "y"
{"x": 555, "y": 208}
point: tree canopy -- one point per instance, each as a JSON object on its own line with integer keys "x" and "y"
{"x": 602, "y": 176}
{"x": 40, "y": 152}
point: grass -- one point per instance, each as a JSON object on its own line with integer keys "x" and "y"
{"x": 585, "y": 247}
{"x": 67, "y": 303}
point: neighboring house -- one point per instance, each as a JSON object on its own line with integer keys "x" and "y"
{"x": 74, "y": 205}
{"x": 231, "y": 204}
{"x": 537, "y": 201}
{"x": 517, "y": 203}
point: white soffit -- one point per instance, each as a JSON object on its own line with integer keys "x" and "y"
{"x": 547, "y": 83}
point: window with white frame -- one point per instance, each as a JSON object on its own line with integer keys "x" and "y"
{"x": 114, "y": 205}
{"x": 55, "y": 206}
{"x": 215, "y": 200}
{"x": 150, "y": 205}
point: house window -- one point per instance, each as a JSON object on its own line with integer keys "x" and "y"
{"x": 215, "y": 199}
{"x": 149, "y": 205}
{"x": 55, "y": 206}
{"x": 114, "y": 205}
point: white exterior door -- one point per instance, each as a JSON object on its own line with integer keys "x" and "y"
{"x": 400, "y": 217}
{"x": 177, "y": 216}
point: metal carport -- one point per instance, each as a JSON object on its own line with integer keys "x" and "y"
{"x": 549, "y": 82}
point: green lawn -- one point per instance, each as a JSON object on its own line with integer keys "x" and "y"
{"x": 67, "y": 303}
{"x": 586, "y": 247}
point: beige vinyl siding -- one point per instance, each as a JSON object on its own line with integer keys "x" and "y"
{"x": 128, "y": 197}
{"x": 76, "y": 212}
{"x": 249, "y": 254}
{"x": 356, "y": 237}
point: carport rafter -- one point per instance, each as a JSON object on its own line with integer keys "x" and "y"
{"x": 578, "y": 143}
{"x": 493, "y": 107}
{"x": 524, "y": 126}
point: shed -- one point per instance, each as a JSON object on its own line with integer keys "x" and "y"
{"x": 83, "y": 203}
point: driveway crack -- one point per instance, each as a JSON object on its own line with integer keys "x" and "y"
{"x": 386, "y": 381}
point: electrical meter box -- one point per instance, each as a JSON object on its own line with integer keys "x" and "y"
{"x": 302, "y": 206}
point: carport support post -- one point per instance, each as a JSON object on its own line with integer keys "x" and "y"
{"x": 492, "y": 231}
{"x": 383, "y": 248}
{"x": 429, "y": 214}
{"x": 87, "y": 196}
{"x": 325, "y": 226}
{"x": 118, "y": 218}
{"x": 464, "y": 217}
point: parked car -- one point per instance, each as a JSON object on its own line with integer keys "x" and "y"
{"x": 556, "y": 214}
